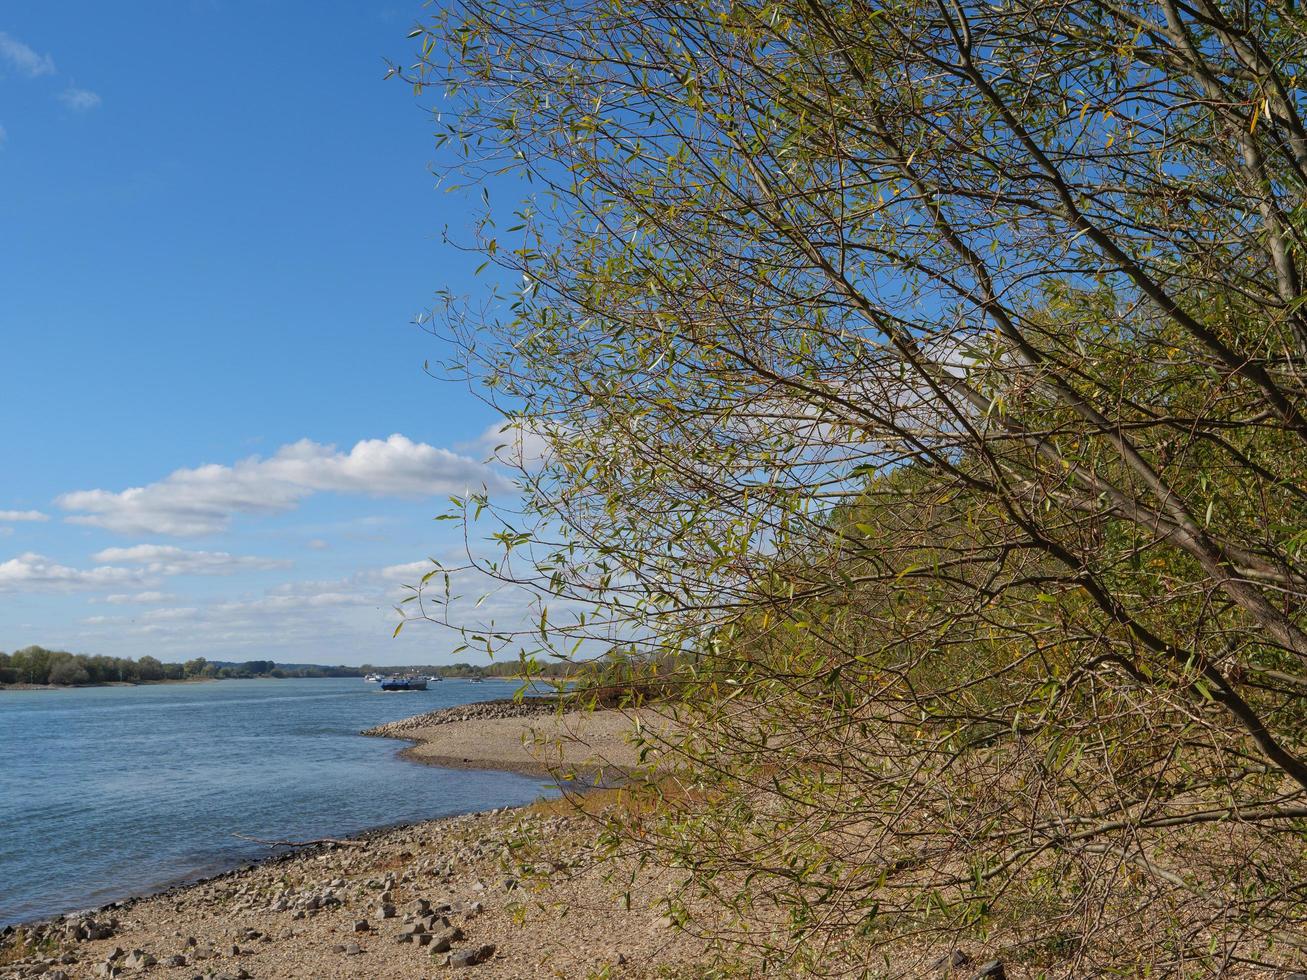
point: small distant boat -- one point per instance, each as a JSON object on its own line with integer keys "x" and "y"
{"x": 404, "y": 684}
{"x": 372, "y": 678}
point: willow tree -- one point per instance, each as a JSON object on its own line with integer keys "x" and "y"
{"x": 931, "y": 374}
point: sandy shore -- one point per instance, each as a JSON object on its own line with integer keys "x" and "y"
{"x": 531, "y": 739}
{"x": 525, "y": 892}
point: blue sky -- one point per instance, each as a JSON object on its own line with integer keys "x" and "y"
{"x": 217, "y": 223}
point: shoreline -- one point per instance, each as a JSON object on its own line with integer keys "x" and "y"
{"x": 82, "y": 687}
{"x": 503, "y": 707}
{"x": 146, "y": 919}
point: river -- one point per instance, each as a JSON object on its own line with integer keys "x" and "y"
{"x": 116, "y": 791}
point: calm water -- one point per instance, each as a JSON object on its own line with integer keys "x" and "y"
{"x": 111, "y": 792}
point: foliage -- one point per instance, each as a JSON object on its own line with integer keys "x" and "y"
{"x": 931, "y": 375}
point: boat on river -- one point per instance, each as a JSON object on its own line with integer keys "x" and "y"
{"x": 404, "y": 684}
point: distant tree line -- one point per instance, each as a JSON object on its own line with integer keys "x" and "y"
{"x": 37, "y": 665}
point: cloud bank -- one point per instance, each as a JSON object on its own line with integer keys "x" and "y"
{"x": 163, "y": 559}
{"x": 31, "y": 572}
{"x": 203, "y": 500}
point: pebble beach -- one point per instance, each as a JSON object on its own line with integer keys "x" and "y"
{"x": 518, "y": 892}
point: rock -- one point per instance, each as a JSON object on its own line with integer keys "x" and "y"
{"x": 361, "y": 925}
{"x": 471, "y": 957}
{"x": 385, "y": 911}
{"x": 441, "y": 944}
{"x": 338, "y": 948}
{"x": 952, "y": 960}
{"x": 353, "y": 949}
{"x": 993, "y": 970}
{"x": 409, "y": 932}
{"x": 139, "y": 960}
{"x": 175, "y": 960}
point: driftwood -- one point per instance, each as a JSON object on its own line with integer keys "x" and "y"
{"x": 304, "y": 843}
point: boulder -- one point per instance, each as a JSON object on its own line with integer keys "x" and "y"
{"x": 472, "y": 956}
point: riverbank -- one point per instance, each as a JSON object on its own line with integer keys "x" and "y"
{"x": 80, "y": 687}
{"x": 526, "y": 892}
{"x": 529, "y": 736}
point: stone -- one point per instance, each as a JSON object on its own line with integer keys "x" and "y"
{"x": 353, "y": 949}
{"x": 472, "y": 956}
{"x": 175, "y": 960}
{"x": 952, "y": 960}
{"x": 993, "y": 970}
{"x": 385, "y": 911}
{"x": 361, "y": 925}
{"x": 138, "y": 960}
{"x": 441, "y": 944}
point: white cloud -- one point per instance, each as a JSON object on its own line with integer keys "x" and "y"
{"x": 31, "y": 572}
{"x": 22, "y": 515}
{"x": 520, "y": 444}
{"x": 124, "y": 599}
{"x": 172, "y": 615}
{"x": 163, "y": 559}
{"x": 203, "y": 500}
{"x": 22, "y": 58}
{"x": 79, "y": 99}
{"x": 317, "y": 544}
{"x": 409, "y": 573}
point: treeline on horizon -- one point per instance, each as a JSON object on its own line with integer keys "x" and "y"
{"x": 39, "y": 665}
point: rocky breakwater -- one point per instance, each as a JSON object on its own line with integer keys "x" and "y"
{"x": 502, "y": 709}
